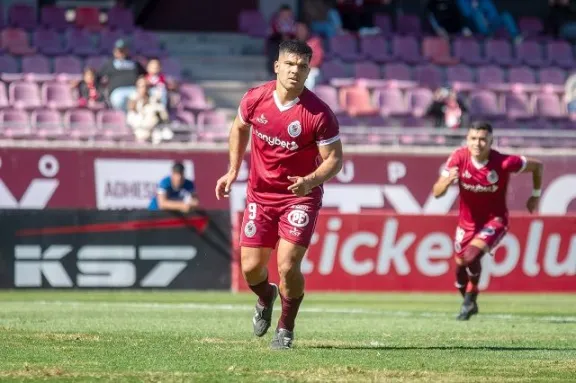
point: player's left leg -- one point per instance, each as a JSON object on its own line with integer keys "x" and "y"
{"x": 482, "y": 243}
{"x": 296, "y": 227}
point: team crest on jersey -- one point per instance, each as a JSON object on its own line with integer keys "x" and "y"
{"x": 492, "y": 177}
{"x": 487, "y": 232}
{"x": 294, "y": 129}
{"x": 250, "y": 229}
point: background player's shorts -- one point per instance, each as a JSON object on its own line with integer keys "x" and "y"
{"x": 263, "y": 226}
{"x": 491, "y": 233}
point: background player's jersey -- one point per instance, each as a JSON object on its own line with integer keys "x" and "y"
{"x": 483, "y": 186}
{"x": 165, "y": 187}
{"x": 285, "y": 141}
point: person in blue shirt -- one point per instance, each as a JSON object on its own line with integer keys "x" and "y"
{"x": 175, "y": 192}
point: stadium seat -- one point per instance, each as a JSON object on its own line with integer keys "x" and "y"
{"x": 48, "y": 124}
{"x": 329, "y": 95}
{"x": 375, "y": 48}
{"x": 461, "y": 77}
{"x": 356, "y": 101}
{"x": 48, "y": 42}
{"x": 213, "y": 125}
{"x": 9, "y": 70}
{"x": 548, "y": 106}
{"x": 68, "y": 66}
{"x": 437, "y": 50}
{"x": 390, "y": 101}
{"x": 418, "y": 100}
{"x": 367, "y": 70}
{"x": 560, "y": 53}
{"x": 499, "y": 52}
{"x": 517, "y": 106}
{"x": 334, "y": 69}
{"x": 37, "y": 68}
{"x": 14, "y": 124}
{"x": 22, "y": 16}
{"x": 468, "y": 51}
{"x": 121, "y": 18}
{"x": 108, "y": 38}
{"x": 531, "y": 27}
{"x": 81, "y": 124}
{"x": 15, "y": 41}
{"x": 345, "y": 47}
{"x": 484, "y": 104}
{"x": 88, "y": 18}
{"x": 54, "y": 18}
{"x": 530, "y": 53}
{"x": 192, "y": 97}
{"x": 58, "y": 96}
{"x": 80, "y": 42}
{"x": 112, "y": 125}
{"x": 405, "y": 49}
{"x": 428, "y": 75}
{"x": 24, "y": 95}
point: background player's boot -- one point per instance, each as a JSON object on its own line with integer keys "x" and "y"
{"x": 469, "y": 307}
{"x": 282, "y": 339}
{"x": 263, "y": 315}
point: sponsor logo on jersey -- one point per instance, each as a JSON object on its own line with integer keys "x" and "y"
{"x": 262, "y": 119}
{"x": 275, "y": 141}
{"x": 480, "y": 188}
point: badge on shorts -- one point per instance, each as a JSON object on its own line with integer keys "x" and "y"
{"x": 487, "y": 232}
{"x": 492, "y": 177}
{"x": 298, "y": 218}
{"x": 250, "y": 229}
{"x": 294, "y": 129}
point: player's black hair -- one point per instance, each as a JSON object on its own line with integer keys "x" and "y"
{"x": 178, "y": 168}
{"x": 481, "y": 125}
{"x": 297, "y": 47}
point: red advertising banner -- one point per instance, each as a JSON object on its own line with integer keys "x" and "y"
{"x": 388, "y": 252}
{"x": 126, "y": 179}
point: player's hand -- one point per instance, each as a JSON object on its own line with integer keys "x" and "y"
{"x": 224, "y": 184}
{"x": 532, "y": 204}
{"x": 300, "y": 186}
{"x": 185, "y": 208}
{"x": 453, "y": 175}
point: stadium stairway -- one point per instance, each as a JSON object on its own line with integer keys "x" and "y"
{"x": 224, "y": 64}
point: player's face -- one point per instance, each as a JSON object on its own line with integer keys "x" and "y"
{"x": 177, "y": 179}
{"x": 292, "y": 70}
{"x": 479, "y": 142}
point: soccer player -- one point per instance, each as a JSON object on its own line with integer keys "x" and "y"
{"x": 482, "y": 174}
{"x": 295, "y": 149}
{"x": 175, "y": 192}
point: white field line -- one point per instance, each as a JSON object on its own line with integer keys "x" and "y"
{"x": 249, "y": 308}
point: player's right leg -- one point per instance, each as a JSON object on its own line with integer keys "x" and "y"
{"x": 257, "y": 240}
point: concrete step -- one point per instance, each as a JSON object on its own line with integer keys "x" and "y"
{"x": 227, "y": 94}
{"x": 223, "y": 68}
{"x": 211, "y": 43}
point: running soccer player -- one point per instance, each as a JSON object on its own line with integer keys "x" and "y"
{"x": 482, "y": 175}
{"x": 295, "y": 149}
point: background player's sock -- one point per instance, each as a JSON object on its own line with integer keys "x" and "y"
{"x": 265, "y": 292}
{"x": 290, "y": 308}
{"x": 461, "y": 279}
{"x": 474, "y": 271}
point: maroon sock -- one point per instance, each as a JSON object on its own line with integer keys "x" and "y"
{"x": 290, "y": 308}
{"x": 474, "y": 270}
{"x": 264, "y": 291}
{"x": 461, "y": 279}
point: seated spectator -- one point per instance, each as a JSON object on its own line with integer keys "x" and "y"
{"x": 447, "y": 110}
{"x": 282, "y": 27}
{"x": 560, "y": 13}
{"x": 157, "y": 80}
{"x": 323, "y": 18}
{"x": 445, "y": 18}
{"x": 145, "y": 112}
{"x": 175, "y": 192}
{"x": 303, "y": 34}
{"x": 358, "y": 15}
{"x": 485, "y": 18}
{"x": 570, "y": 94}
{"x": 121, "y": 74}
{"x": 89, "y": 91}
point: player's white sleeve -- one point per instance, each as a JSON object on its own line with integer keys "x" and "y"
{"x": 328, "y": 141}
{"x": 524, "y": 163}
{"x": 240, "y": 116}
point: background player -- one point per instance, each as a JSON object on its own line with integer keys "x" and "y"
{"x": 175, "y": 192}
{"x": 483, "y": 175}
{"x": 295, "y": 149}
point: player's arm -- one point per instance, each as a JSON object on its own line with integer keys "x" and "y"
{"x": 238, "y": 141}
{"x": 166, "y": 204}
{"x": 332, "y": 155}
{"x": 447, "y": 178}
{"x": 535, "y": 167}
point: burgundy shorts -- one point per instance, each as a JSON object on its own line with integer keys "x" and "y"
{"x": 263, "y": 226}
{"x": 491, "y": 233}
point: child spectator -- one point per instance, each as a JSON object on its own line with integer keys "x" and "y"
{"x": 89, "y": 92}
{"x": 157, "y": 81}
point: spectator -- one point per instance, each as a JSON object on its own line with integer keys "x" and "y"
{"x": 358, "y": 15}
{"x": 157, "y": 80}
{"x": 175, "y": 192}
{"x": 89, "y": 91}
{"x": 485, "y": 18}
{"x": 570, "y": 94}
{"x": 447, "y": 110}
{"x": 445, "y": 18}
{"x": 323, "y": 18}
{"x": 121, "y": 74}
{"x": 559, "y": 13}
{"x": 282, "y": 27}
{"x": 145, "y": 111}
{"x": 303, "y": 34}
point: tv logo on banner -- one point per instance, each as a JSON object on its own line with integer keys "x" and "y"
{"x": 100, "y": 266}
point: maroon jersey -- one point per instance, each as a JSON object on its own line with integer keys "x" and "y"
{"x": 285, "y": 140}
{"x": 483, "y": 186}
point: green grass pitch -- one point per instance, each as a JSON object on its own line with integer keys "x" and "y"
{"x": 130, "y": 336}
